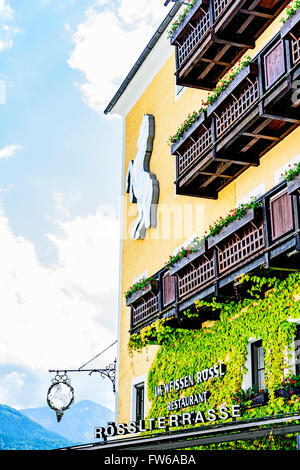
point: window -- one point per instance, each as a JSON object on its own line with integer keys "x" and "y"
{"x": 297, "y": 351}
{"x": 178, "y": 90}
{"x": 281, "y": 212}
{"x": 258, "y": 365}
{"x": 139, "y": 401}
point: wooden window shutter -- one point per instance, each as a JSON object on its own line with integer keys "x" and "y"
{"x": 281, "y": 212}
{"x": 168, "y": 289}
{"x": 274, "y": 64}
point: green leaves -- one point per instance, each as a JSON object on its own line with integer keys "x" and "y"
{"x": 235, "y": 214}
{"x": 180, "y": 18}
{"x": 186, "y": 351}
{"x": 293, "y": 171}
{"x": 138, "y": 286}
{"x": 291, "y": 10}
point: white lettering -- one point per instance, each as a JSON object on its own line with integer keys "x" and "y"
{"x": 223, "y": 412}
{"x": 211, "y": 415}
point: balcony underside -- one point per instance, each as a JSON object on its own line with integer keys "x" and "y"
{"x": 206, "y": 50}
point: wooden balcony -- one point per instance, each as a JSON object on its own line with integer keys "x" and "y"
{"x": 257, "y": 110}
{"x": 215, "y": 34}
{"x": 266, "y": 241}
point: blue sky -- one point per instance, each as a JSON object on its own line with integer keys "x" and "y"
{"x": 66, "y": 146}
{"x": 61, "y": 61}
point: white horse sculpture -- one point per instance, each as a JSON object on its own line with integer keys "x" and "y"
{"x": 140, "y": 183}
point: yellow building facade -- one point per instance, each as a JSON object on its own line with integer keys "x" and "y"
{"x": 151, "y": 89}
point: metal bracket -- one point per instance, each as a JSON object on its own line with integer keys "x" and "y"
{"x": 109, "y": 372}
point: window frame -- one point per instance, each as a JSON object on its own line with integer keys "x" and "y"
{"x": 138, "y": 382}
{"x": 256, "y": 348}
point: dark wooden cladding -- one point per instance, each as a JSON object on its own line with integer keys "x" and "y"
{"x": 255, "y": 112}
{"x": 215, "y": 34}
{"x": 169, "y": 293}
{"x": 281, "y": 215}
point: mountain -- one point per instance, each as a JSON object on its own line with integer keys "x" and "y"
{"x": 18, "y": 432}
{"x": 77, "y": 423}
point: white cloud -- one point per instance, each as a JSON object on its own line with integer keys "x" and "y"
{"x": 11, "y": 385}
{"x": 9, "y": 150}
{"x": 5, "y": 10}
{"x": 108, "y": 43}
{"x": 7, "y": 29}
{"x": 60, "y": 315}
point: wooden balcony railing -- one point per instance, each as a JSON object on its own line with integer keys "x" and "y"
{"x": 196, "y": 275}
{"x": 237, "y": 107}
{"x": 241, "y": 246}
{"x": 266, "y": 238}
{"x": 215, "y": 34}
{"x": 256, "y": 111}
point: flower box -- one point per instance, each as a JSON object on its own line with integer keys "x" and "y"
{"x": 284, "y": 393}
{"x": 188, "y": 132}
{"x": 231, "y": 228}
{"x": 192, "y": 15}
{"x": 246, "y": 72}
{"x": 289, "y": 25}
{"x": 260, "y": 399}
{"x": 183, "y": 262}
{"x": 293, "y": 186}
{"x": 152, "y": 286}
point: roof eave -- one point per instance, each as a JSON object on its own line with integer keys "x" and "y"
{"x": 142, "y": 57}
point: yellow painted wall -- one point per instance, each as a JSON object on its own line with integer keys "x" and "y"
{"x": 151, "y": 254}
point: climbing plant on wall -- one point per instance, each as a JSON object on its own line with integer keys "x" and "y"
{"x": 183, "y": 351}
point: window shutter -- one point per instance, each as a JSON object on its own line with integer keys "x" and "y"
{"x": 281, "y": 215}
{"x": 168, "y": 289}
{"x": 274, "y": 64}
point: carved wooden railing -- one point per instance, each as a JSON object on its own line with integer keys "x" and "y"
{"x": 191, "y": 40}
{"x": 195, "y": 149}
{"x": 241, "y": 246}
{"x": 196, "y": 275}
{"x": 215, "y": 34}
{"x": 295, "y": 51}
{"x": 144, "y": 309}
{"x": 237, "y": 107}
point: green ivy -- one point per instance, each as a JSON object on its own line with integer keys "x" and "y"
{"x": 225, "y": 341}
{"x": 291, "y": 10}
{"x": 292, "y": 172}
{"x": 141, "y": 285}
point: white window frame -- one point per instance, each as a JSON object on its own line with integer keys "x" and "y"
{"x": 290, "y": 361}
{"x": 247, "y": 380}
{"x": 178, "y": 90}
{"x": 136, "y": 381}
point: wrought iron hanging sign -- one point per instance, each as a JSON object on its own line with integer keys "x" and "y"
{"x": 60, "y": 394}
